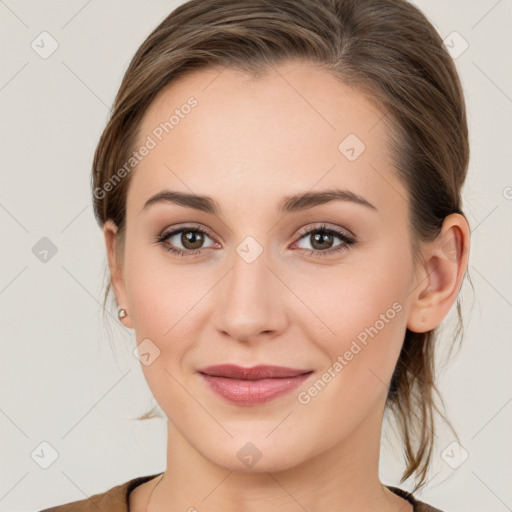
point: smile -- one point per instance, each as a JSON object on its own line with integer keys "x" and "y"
{"x": 252, "y": 386}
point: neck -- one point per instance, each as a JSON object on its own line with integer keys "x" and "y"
{"x": 344, "y": 477}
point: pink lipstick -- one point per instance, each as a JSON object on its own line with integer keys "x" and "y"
{"x": 254, "y": 385}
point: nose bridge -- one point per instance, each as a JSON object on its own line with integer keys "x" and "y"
{"x": 249, "y": 302}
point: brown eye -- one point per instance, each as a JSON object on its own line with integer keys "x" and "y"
{"x": 185, "y": 241}
{"x": 322, "y": 240}
{"x": 192, "y": 239}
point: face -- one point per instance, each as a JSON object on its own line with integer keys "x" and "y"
{"x": 316, "y": 285}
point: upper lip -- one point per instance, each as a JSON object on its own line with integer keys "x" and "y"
{"x": 233, "y": 371}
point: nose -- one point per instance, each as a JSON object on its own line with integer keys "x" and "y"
{"x": 250, "y": 300}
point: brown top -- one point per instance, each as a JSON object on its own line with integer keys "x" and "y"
{"x": 117, "y": 499}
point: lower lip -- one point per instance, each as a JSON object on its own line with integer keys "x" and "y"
{"x": 253, "y": 392}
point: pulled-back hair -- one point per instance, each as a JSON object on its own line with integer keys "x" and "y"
{"x": 388, "y": 50}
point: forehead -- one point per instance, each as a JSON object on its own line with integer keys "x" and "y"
{"x": 290, "y": 130}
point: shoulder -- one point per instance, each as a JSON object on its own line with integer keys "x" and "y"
{"x": 418, "y": 506}
{"x": 113, "y": 500}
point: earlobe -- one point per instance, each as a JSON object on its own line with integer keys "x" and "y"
{"x": 445, "y": 262}
{"x": 116, "y": 271}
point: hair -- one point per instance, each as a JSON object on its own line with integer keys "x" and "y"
{"x": 386, "y": 49}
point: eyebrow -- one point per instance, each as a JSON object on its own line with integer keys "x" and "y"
{"x": 289, "y": 204}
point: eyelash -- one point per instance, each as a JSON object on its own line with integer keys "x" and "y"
{"x": 345, "y": 237}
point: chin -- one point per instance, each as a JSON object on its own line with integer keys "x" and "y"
{"x": 255, "y": 453}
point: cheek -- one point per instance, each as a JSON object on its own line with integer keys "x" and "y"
{"x": 347, "y": 302}
{"x": 367, "y": 314}
{"x": 159, "y": 292}
{"x": 167, "y": 301}
{"x": 165, "y": 304}
{"x": 360, "y": 317}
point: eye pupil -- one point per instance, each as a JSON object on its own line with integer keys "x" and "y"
{"x": 195, "y": 238}
{"x": 322, "y": 235}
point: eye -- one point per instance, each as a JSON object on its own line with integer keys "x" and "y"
{"x": 322, "y": 238}
{"x": 184, "y": 241}
{"x": 189, "y": 240}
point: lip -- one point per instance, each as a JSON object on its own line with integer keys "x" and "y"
{"x": 253, "y": 385}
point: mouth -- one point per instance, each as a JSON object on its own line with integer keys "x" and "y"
{"x": 254, "y": 385}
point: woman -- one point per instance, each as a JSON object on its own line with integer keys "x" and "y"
{"x": 279, "y": 188}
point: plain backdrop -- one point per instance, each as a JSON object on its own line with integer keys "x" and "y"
{"x": 70, "y": 384}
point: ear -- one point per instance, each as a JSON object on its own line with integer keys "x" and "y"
{"x": 116, "y": 270}
{"x": 440, "y": 277}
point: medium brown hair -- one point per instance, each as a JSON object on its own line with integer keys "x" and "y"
{"x": 384, "y": 48}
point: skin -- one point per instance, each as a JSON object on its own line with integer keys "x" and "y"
{"x": 247, "y": 144}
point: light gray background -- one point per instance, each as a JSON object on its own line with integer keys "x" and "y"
{"x": 69, "y": 381}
